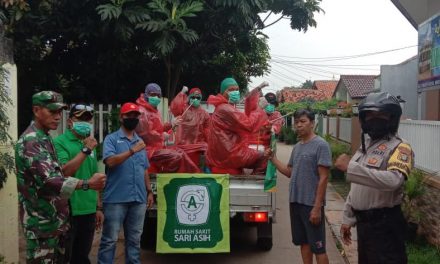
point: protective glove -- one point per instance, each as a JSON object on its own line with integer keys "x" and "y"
{"x": 184, "y": 89}
{"x": 177, "y": 121}
{"x": 262, "y": 102}
{"x": 166, "y": 136}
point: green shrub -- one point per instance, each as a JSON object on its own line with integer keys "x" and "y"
{"x": 281, "y": 134}
{"x": 290, "y": 136}
{"x": 414, "y": 188}
{"x": 337, "y": 148}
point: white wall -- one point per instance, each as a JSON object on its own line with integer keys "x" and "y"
{"x": 8, "y": 195}
{"x": 401, "y": 79}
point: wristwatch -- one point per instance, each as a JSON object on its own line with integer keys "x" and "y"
{"x": 85, "y": 185}
{"x": 86, "y": 150}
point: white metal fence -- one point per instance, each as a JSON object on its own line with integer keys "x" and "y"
{"x": 345, "y": 129}
{"x": 102, "y": 121}
{"x": 332, "y": 126}
{"x": 424, "y": 137}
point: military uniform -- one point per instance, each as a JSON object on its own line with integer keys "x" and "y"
{"x": 43, "y": 191}
{"x": 376, "y": 192}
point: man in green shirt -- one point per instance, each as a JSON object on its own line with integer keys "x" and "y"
{"x": 43, "y": 190}
{"x": 76, "y": 152}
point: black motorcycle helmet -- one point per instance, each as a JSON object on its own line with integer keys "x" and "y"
{"x": 380, "y": 102}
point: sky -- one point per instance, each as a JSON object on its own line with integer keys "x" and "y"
{"x": 347, "y": 28}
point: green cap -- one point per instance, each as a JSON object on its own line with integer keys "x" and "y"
{"x": 49, "y": 99}
{"x": 226, "y": 83}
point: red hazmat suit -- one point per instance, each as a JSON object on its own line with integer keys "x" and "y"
{"x": 262, "y": 137}
{"x": 195, "y": 122}
{"x": 150, "y": 129}
{"x": 228, "y": 150}
{"x": 191, "y": 134}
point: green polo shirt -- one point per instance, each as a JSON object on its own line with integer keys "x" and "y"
{"x": 68, "y": 146}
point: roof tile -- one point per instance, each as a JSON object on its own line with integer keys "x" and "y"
{"x": 358, "y": 86}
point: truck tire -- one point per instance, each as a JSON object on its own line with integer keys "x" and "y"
{"x": 148, "y": 238}
{"x": 264, "y": 236}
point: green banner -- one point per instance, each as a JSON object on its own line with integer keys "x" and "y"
{"x": 270, "y": 180}
{"x": 193, "y": 213}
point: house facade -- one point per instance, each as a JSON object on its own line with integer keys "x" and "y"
{"x": 353, "y": 88}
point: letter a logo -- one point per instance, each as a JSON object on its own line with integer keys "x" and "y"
{"x": 192, "y": 204}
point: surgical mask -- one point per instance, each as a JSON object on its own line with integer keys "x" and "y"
{"x": 194, "y": 102}
{"x": 154, "y": 100}
{"x": 270, "y": 108}
{"x": 376, "y": 128}
{"x": 82, "y": 128}
{"x": 234, "y": 97}
{"x": 130, "y": 123}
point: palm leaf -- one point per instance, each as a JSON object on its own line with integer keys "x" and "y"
{"x": 189, "y": 9}
{"x": 165, "y": 43}
{"x": 152, "y": 25}
{"x": 189, "y": 35}
{"x": 136, "y": 14}
{"x": 109, "y": 11}
{"x": 159, "y": 6}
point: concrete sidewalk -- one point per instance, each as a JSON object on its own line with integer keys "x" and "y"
{"x": 333, "y": 213}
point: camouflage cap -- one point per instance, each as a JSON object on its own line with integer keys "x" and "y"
{"x": 49, "y": 99}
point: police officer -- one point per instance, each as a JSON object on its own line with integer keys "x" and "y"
{"x": 43, "y": 190}
{"x": 377, "y": 173}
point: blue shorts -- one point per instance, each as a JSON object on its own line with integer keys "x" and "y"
{"x": 303, "y": 232}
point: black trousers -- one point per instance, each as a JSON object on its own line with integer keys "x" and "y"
{"x": 381, "y": 236}
{"x": 80, "y": 238}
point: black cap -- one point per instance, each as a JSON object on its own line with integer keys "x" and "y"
{"x": 271, "y": 98}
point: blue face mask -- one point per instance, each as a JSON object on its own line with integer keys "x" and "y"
{"x": 154, "y": 100}
{"x": 234, "y": 97}
{"x": 82, "y": 128}
{"x": 270, "y": 108}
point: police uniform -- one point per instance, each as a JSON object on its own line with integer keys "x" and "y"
{"x": 43, "y": 191}
{"x": 377, "y": 172}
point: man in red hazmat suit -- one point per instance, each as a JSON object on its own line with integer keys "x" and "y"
{"x": 262, "y": 136}
{"x": 194, "y": 124}
{"x": 228, "y": 150}
{"x": 191, "y": 135}
{"x": 153, "y": 132}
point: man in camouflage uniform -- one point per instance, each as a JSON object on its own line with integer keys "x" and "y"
{"x": 43, "y": 189}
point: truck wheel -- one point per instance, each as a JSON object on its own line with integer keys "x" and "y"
{"x": 264, "y": 236}
{"x": 148, "y": 238}
{"x": 264, "y": 243}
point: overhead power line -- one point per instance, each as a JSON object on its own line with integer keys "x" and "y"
{"x": 346, "y": 57}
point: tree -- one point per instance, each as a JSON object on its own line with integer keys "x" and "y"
{"x": 168, "y": 22}
{"x": 307, "y": 84}
{"x": 107, "y": 50}
{"x": 6, "y": 160}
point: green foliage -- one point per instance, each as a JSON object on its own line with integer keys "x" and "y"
{"x": 6, "y": 160}
{"x": 307, "y": 84}
{"x": 168, "y": 19}
{"x": 414, "y": 189}
{"x": 290, "y": 137}
{"x": 316, "y": 106}
{"x": 106, "y": 51}
{"x": 114, "y": 119}
{"x": 421, "y": 252}
{"x": 337, "y": 148}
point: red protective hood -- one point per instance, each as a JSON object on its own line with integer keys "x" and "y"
{"x": 217, "y": 100}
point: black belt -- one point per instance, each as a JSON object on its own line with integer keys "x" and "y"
{"x": 375, "y": 214}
